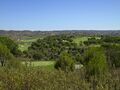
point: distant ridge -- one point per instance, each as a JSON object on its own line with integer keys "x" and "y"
{"x": 20, "y": 34}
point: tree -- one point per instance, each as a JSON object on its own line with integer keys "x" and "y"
{"x": 79, "y": 58}
{"x": 92, "y": 40}
{"x": 11, "y": 45}
{"x": 95, "y": 61}
{"x": 65, "y": 62}
{"x": 113, "y": 54}
{"x": 4, "y": 54}
{"x": 50, "y": 47}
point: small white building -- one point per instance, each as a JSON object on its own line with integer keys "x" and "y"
{"x": 78, "y": 66}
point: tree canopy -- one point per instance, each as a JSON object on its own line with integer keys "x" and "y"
{"x": 65, "y": 62}
{"x": 49, "y": 48}
{"x": 11, "y": 45}
{"x": 95, "y": 61}
{"x": 4, "y": 54}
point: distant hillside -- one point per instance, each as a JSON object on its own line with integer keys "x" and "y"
{"x": 20, "y": 34}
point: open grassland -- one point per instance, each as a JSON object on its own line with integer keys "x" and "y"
{"x": 49, "y": 65}
{"x": 24, "y": 46}
{"x": 80, "y": 39}
{"x": 29, "y": 40}
{"x": 26, "y": 42}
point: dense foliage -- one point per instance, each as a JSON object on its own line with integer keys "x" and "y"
{"x": 11, "y": 45}
{"x": 104, "y": 39}
{"x": 113, "y": 54}
{"x": 111, "y": 46}
{"x": 65, "y": 62}
{"x": 92, "y": 40}
{"x": 95, "y": 61}
{"x": 109, "y": 39}
{"x": 37, "y": 79}
{"x": 50, "y": 47}
{"x": 4, "y": 54}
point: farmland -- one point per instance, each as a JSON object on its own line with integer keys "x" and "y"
{"x": 79, "y": 40}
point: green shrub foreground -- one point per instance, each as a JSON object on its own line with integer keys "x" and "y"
{"x": 38, "y": 79}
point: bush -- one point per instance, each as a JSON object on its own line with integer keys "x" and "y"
{"x": 95, "y": 61}
{"x": 4, "y": 54}
{"x": 14, "y": 63}
{"x": 113, "y": 55}
{"x": 11, "y": 45}
{"x": 50, "y": 47}
{"x": 65, "y": 62}
{"x": 37, "y": 79}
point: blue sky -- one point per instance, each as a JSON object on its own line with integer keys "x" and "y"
{"x": 59, "y": 14}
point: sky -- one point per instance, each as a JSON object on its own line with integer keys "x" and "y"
{"x": 60, "y": 15}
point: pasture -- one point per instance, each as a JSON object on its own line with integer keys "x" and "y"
{"x": 48, "y": 65}
{"x": 26, "y": 42}
{"x": 80, "y": 39}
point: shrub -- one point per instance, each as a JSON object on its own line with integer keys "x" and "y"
{"x": 50, "y": 47}
{"x": 37, "y": 79}
{"x": 4, "y": 54}
{"x": 11, "y": 45}
{"x": 95, "y": 61}
{"x": 113, "y": 54}
{"x": 14, "y": 63}
{"x": 65, "y": 62}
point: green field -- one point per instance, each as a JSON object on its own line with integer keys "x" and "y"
{"x": 49, "y": 65}
{"x": 26, "y": 42}
{"x": 24, "y": 46}
{"x": 79, "y": 40}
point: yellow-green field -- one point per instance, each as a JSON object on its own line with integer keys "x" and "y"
{"x": 79, "y": 40}
{"x": 49, "y": 65}
{"x": 24, "y": 46}
{"x": 25, "y": 43}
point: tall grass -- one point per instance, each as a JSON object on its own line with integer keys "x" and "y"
{"x": 38, "y": 79}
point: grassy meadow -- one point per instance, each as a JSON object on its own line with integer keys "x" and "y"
{"x": 25, "y": 42}
{"x": 80, "y": 39}
{"x": 48, "y": 65}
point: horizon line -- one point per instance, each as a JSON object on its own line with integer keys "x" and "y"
{"x": 61, "y": 30}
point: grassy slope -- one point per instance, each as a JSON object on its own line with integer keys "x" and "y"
{"x": 80, "y": 39}
{"x": 26, "y": 42}
{"x": 49, "y": 65}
